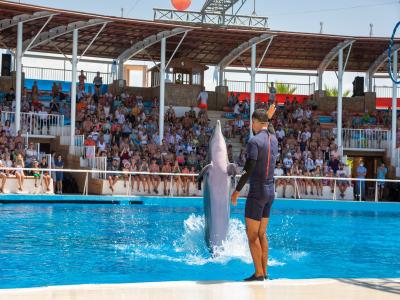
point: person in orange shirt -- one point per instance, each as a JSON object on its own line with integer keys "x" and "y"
{"x": 89, "y": 141}
{"x": 81, "y": 105}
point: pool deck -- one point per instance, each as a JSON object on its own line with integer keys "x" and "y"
{"x": 282, "y": 289}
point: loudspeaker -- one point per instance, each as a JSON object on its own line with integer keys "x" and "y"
{"x": 358, "y": 86}
{"x": 5, "y": 64}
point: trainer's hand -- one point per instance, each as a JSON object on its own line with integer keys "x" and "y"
{"x": 234, "y": 198}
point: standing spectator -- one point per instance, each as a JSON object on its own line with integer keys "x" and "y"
{"x": 166, "y": 179}
{"x": 82, "y": 79}
{"x": 43, "y": 118}
{"x": 382, "y": 171}
{"x": 98, "y": 82}
{"x": 272, "y": 93}
{"x": 54, "y": 90}
{"x": 59, "y": 164}
{"x": 202, "y": 99}
{"x": 35, "y": 92}
{"x": 30, "y": 153}
{"x": 176, "y": 169}
{"x": 361, "y": 173}
{"x": 155, "y": 179}
{"x": 54, "y": 108}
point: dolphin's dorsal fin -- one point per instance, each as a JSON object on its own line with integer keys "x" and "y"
{"x": 231, "y": 169}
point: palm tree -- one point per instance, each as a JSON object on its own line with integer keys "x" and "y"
{"x": 334, "y": 92}
{"x": 284, "y": 88}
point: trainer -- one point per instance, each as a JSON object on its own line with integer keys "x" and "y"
{"x": 262, "y": 151}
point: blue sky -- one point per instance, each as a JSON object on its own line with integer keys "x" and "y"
{"x": 339, "y": 17}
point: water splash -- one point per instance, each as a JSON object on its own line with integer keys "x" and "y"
{"x": 190, "y": 248}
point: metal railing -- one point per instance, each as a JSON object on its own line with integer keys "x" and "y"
{"x": 36, "y": 124}
{"x": 210, "y": 18}
{"x": 367, "y": 139}
{"x": 296, "y": 187}
{"x": 62, "y": 74}
{"x": 65, "y": 140}
{"x": 99, "y": 163}
{"x": 263, "y": 87}
{"x": 385, "y": 91}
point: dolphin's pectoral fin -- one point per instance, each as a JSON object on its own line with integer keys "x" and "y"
{"x": 232, "y": 170}
{"x": 201, "y": 175}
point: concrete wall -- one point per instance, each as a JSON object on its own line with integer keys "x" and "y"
{"x": 6, "y": 83}
{"x": 178, "y": 94}
{"x": 350, "y": 104}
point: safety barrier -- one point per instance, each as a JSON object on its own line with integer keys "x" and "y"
{"x": 385, "y": 91}
{"x": 263, "y": 87}
{"x": 366, "y": 139}
{"x": 36, "y": 124}
{"x": 62, "y": 74}
{"x": 296, "y": 187}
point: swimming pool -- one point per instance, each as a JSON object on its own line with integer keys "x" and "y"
{"x": 162, "y": 240}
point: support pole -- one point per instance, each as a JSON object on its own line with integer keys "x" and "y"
{"x": 252, "y": 84}
{"x": 73, "y": 85}
{"x": 320, "y": 73}
{"x": 18, "y": 83}
{"x": 162, "y": 90}
{"x": 340, "y": 101}
{"x": 368, "y": 79}
{"x": 394, "y": 106}
{"x": 120, "y": 70}
{"x": 221, "y": 77}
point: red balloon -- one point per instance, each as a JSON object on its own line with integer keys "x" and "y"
{"x": 181, "y": 4}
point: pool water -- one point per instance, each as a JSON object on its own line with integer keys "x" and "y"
{"x": 162, "y": 240}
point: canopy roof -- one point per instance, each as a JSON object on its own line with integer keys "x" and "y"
{"x": 203, "y": 44}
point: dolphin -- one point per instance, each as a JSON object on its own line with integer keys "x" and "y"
{"x": 217, "y": 189}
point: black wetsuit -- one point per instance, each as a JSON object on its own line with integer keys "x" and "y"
{"x": 262, "y": 151}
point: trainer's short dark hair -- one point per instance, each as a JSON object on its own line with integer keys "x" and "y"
{"x": 260, "y": 115}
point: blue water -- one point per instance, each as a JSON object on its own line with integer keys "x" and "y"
{"x": 161, "y": 240}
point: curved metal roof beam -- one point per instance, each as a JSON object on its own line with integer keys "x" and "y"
{"x": 58, "y": 31}
{"x": 149, "y": 41}
{"x": 333, "y": 54}
{"x": 8, "y": 23}
{"x": 380, "y": 60}
{"x": 235, "y": 53}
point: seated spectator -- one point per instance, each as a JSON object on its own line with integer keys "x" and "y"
{"x": 113, "y": 177}
{"x": 288, "y": 162}
{"x": 19, "y": 173}
{"x": 238, "y": 125}
{"x": 35, "y": 172}
{"x": 342, "y": 184}
{"x": 3, "y": 176}
{"x": 46, "y": 175}
{"x": 279, "y": 172}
